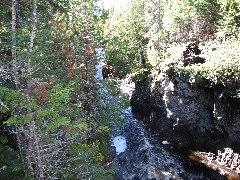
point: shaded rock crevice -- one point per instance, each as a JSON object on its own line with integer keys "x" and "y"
{"x": 140, "y": 100}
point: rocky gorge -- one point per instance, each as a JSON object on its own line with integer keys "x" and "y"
{"x": 191, "y": 113}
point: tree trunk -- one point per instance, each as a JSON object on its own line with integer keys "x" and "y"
{"x": 35, "y": 142}
{"x": 29, "y": 151}
{"x": 33, "y": 139}
{"x": 32, "y": 36}
{"x": 14, "y": 51}
{"x": 159, "y": 21}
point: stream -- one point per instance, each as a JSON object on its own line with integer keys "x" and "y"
{"x": 139, "y": 154}
{"x": 146, "y": 156}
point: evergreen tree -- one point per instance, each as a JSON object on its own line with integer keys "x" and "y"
{"x": 48, "y": 85}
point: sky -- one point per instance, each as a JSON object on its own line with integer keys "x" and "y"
{"x": 107, "y": 4}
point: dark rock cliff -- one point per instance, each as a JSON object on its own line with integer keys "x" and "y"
{"x": 190, "y": 112}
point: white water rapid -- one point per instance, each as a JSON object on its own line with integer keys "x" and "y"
{"x": 119, "y": 142}
{"x": 101, "y": 62}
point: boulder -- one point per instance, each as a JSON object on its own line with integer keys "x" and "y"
{"x": 108, "y": 71}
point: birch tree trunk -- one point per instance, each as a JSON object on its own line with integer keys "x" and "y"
{"x": 34, "y": 145}
{"x": 15, "y": 71}
{"x": 32, "y": 36}
{"x": 14, "y": 51}
{"x": 159, "y": 21}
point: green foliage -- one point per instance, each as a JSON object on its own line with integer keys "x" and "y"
{"x": 3, "y": 139}
{"x": 126, "y": 41}
{"x": 10, "y": 99}
{"x": 114, "y": 106}
{"x": 141, "y": 32}
{"x": 86, "y": 163}
{"x": 10, "y": 167}
{"x": 222, "y": 65}
{"x": 140, "y": 76}
{"x": 173, "y": 23}
{"x": 59, "y": 99}
{"x": 230, "y": 13}
{"x": 185, "y": 20}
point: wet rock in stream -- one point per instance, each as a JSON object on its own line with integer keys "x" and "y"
{"x": 147, "y": 158}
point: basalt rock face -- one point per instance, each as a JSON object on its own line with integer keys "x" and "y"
{"x": 194, "y": 112}
{"x": 227, "y": 113}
